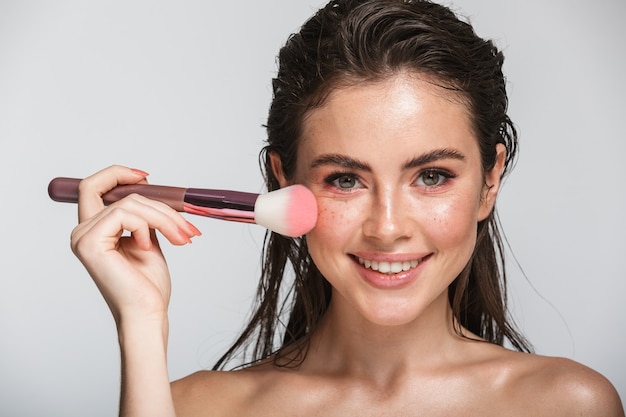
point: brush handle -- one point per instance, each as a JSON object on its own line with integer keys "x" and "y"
{"x": 65, "y": 190}
{"x": 290, "y": 211}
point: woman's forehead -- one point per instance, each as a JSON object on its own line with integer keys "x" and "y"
{"x": 388, "y": 123}
{"x": 402, "y": 107}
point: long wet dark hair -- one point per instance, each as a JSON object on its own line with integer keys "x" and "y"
{"x": 348, "y": 42}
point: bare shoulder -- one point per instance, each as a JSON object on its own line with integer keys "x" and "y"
{"x": 228, "y": 393}
{"x": 190, "y": 392}
{"x": 563, "y": 387}
{"x": 213, "y": 393}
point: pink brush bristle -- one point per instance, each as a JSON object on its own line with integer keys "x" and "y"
{"x": 302, "y": 211}
{"x": 290, "y": 211}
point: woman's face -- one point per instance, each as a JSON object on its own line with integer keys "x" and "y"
{"x": 396, "y": 170}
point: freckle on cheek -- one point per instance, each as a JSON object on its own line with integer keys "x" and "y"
{"x": 328, "y": 216}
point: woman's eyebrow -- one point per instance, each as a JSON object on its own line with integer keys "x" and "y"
{"x": 432, "y": 156}
{"x": 343, "y": 161}
{"x": 348, "y": 162}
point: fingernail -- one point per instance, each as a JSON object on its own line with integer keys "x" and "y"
{"x": 184, "y": 235}
{"x": 139, "y": 172}
{"x": 194, "y": 229}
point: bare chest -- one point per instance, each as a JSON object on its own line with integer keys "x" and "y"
{"x": 430, "y": 399}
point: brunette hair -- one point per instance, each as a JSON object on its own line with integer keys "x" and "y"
{"x": 354, "y": 41}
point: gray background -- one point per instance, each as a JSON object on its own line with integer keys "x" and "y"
{"x": 181, "y": 89}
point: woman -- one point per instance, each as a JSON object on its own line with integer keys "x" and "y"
{"x": 394, "y": 114}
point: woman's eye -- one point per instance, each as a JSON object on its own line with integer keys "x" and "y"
{"x": 432, "y": 178}
{"x": 343, "y": 181}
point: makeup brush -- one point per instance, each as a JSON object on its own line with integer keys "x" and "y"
{"x": 290, "y": 211}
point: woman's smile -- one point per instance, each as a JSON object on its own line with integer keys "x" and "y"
{"x": 381, "y": 273}
{"x": 386, "y": 267}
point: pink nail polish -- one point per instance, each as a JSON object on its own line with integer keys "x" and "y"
{"x": 194, "y": 229}
{"x": 139, "y": 172}
{"x": 184, "y": 235}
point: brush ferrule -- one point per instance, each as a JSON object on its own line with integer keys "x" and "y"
{"x": 221, "y": 199}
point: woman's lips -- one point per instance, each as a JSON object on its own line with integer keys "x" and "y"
{"x": 390, "y": 272}
{"x": 386, "y": 267}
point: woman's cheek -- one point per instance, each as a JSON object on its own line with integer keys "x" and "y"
{"x": 335, "y": 217}
{"x": 453, "y": 222}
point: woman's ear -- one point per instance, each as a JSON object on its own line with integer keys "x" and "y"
{"x": 493, "y": 179}
{"x": 277, "y": 169}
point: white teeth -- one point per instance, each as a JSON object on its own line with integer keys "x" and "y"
{"x": 388, "y": 267}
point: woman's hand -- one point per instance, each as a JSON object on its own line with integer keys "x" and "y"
{"x": 118, "y": 246}
{"x": 129, "y": 269}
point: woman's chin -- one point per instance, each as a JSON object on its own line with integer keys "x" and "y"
{"x": 392, "y": 315}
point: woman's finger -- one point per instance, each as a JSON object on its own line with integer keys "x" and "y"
{"x": 92, "y": 188}
{"x": 137, "y": 214}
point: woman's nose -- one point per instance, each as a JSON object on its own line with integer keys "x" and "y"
{"x": 389, "y": 217}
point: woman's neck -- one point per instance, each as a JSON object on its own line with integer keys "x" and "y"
{"x": 347, "y": 343}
